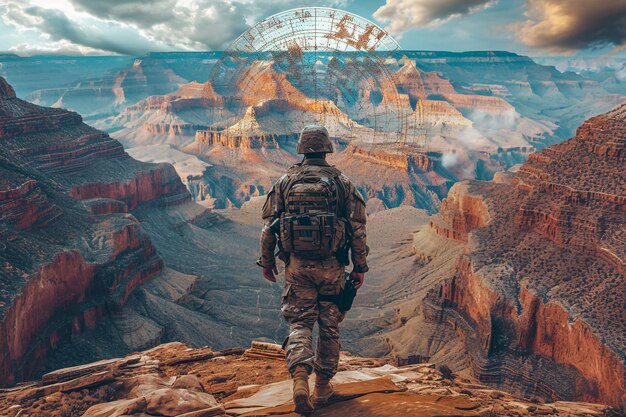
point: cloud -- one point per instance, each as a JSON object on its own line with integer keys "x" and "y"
{"x": 209, "y": 26}
{"x": 565, "y": 26}
{"x": 67, "y": 34}
{"x": 449, "y": 160}
{"x": 507, "y": 119}
{"x": 190, "y": 25}
{"x": 205, "y": 24}
{"x": 402, "y": 15}
{"x": 620, "y": 73}
{"x": 145, "y": 13}
{"x": 63, "y": 48}
{"x": 135, "y": 27}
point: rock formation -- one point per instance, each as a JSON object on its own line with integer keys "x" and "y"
{"x": 521, "y": 281}
{"x": 396, "y": 175}
{"x": 173, "y": 118}
{"x": 538, "y": 92}
{"x": 174, "y": 380}
{"x": 69, "y": 251}
{"x": 476, "y": 128}
{"x": 418, "y": 84}
{"x": 103, "y": 255}
{"x": 53, "y": 72}
{"x": 98, "y": 97}
{"x": 98, "y": 86}
{"x": 6, "y": 91}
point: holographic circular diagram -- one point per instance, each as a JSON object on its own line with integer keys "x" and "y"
{"x": 309, "y": 65}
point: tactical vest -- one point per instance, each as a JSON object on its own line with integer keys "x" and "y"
{"x": 313, "y": 225}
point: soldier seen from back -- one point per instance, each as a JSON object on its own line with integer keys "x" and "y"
{"x": 316, "y": 217}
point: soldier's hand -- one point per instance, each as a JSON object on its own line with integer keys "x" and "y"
{"x": 269, "y": 273}
{"x": 358, "y": 278}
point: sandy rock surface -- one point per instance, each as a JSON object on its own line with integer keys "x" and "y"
{"x": 174, "y": 380}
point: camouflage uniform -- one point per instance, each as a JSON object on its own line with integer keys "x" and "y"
{"x": 305, "y": 279}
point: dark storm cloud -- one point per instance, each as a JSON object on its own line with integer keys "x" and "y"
{"x": 402, "y": 15}
{"x": 570, "y": 25}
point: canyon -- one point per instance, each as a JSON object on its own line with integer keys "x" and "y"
{"x": 514, "y": 283}
{"x": 277, "y": 110}
{"x": 89, "y": 265}
{"x": 518, "y": 281}
{"x": 471, "y": 114}
{"x": 62, "y": 264}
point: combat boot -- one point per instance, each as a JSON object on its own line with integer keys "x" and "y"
{"x": 301, "y": 397}
{"x": 323, "y": 391}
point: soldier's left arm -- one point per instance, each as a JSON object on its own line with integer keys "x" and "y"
{"x": 271, "y": 210}
{"x": 355, "y": 211}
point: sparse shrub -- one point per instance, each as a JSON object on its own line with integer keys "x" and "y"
{"x": 615, "y": 412}
{"x": 446, "y": 372}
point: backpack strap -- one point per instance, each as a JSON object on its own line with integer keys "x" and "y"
{"x": 342, "y": 196}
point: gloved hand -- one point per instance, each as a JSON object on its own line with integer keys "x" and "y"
{"x": 269, "y": 273}
{"x": 358, "y": 278}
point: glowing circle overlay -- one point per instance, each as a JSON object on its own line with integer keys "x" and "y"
{"x": 335, "y": 60}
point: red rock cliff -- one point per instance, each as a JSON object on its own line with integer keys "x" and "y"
{"x": 62, "y": 266}
{"x": 539, "y": 294}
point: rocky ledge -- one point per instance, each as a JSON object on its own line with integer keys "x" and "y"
{"x": 175, "y": 380}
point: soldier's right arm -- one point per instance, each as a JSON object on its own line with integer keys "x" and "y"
{"x": 274, "y": 205}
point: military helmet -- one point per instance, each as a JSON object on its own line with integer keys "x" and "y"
{"x": 314, "y": 139}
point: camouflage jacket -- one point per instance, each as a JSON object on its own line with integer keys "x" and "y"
{"x": 355, "y": 214}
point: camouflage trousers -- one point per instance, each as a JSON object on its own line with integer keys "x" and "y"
{"x": 304, "y": 280}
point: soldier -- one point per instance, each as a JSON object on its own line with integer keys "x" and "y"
{"x": 319, "y": 216}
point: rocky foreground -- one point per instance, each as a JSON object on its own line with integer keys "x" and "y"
{"x": 175, "y": 380}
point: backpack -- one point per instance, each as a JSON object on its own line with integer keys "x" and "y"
{"x": 313, "y": 225}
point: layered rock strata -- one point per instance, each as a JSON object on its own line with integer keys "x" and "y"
{"x": 111, "y": 92}
{"x": 538, "y": 295}
{"x": 68, "y": 259}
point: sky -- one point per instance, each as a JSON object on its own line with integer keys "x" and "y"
{"x": 135, "y": 27}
